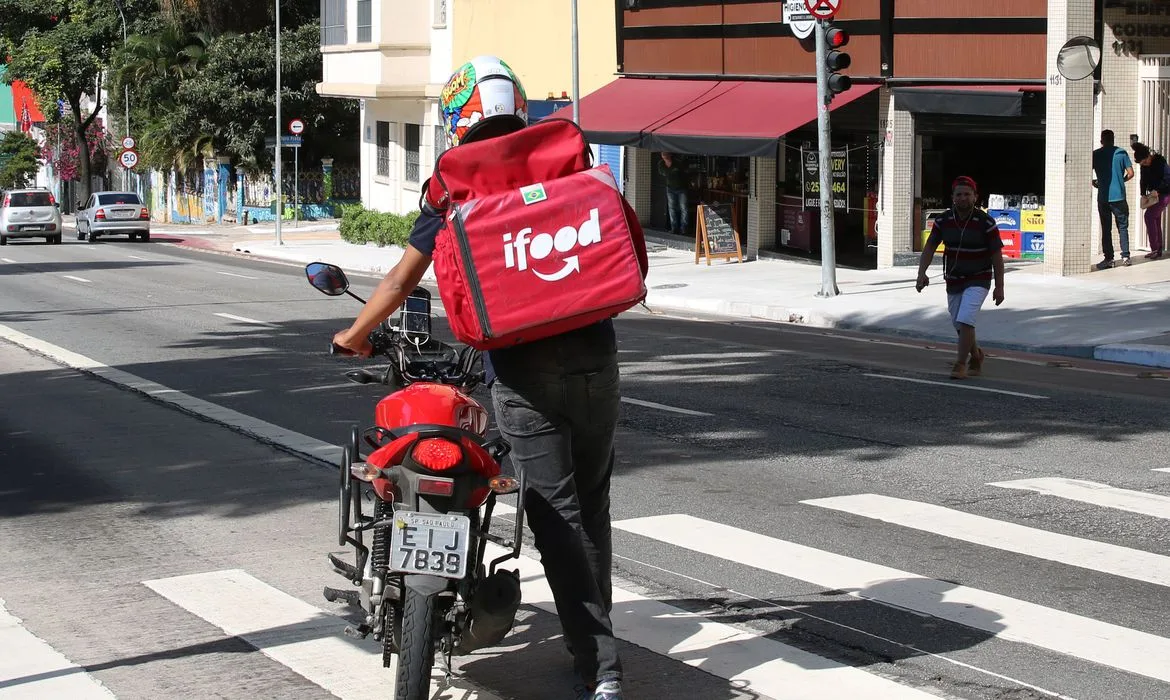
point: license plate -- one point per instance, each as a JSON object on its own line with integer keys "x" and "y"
{"x": 428, "y": 543}
{"x": 124, "y": 214}
{"x": 35, "y": 227}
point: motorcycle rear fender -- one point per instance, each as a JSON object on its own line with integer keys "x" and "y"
{"x": 427, "y": 585}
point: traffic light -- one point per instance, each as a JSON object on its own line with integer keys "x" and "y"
{"x": 837, "y": 60}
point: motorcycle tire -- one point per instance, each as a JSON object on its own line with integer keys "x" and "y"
{"x": 416, "y": 653}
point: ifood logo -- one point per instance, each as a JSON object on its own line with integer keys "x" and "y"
{"x": 525, "y": 248}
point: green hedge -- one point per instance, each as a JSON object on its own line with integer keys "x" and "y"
{"x": 360, "y": 225}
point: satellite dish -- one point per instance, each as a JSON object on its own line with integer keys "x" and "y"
{"x": 1078, "y": 58}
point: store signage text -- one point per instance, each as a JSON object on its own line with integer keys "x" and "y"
{"x": 1157, "y": 9}
{"x": 811, "y": 180}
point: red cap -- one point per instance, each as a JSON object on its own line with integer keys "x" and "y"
{"x": 964, "y": 181}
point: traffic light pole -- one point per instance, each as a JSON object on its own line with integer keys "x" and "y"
{"x": 824, "y": 136}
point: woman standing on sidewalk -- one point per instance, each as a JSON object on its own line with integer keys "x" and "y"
{"x": 1155, "y": 184}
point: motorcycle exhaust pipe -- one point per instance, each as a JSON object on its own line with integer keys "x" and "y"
{"x": 493, "y": 611}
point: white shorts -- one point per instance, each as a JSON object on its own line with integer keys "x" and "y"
{"x": 965, "y": 305}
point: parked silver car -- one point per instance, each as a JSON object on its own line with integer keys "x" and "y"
{"x": 29, "y": 214}
{"x": 107, "y": 213}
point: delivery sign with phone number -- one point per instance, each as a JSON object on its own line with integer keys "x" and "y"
{"x": 811, "y": 179}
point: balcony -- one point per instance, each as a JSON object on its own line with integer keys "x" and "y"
{"x": 375, "y": 48}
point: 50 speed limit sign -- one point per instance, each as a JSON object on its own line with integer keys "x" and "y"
{"x": 128, "y": 158}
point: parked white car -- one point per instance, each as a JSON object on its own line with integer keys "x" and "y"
{"x": 113, "y": 213}
{"x": 29, "y": 214}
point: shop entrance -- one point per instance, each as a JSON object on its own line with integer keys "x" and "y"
{"x": 1154, "y": 121}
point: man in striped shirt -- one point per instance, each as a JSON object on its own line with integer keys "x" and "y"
{"x": 972, "y": 258}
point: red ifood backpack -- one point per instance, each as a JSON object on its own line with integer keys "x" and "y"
{"x": 536, "y": 242}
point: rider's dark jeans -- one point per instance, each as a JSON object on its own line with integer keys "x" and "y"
{"x": 557, "y": 402}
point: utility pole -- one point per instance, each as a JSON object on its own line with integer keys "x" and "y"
{"x": 125, "y": 36}
{"x": 576, "y": 67}
{"x": 824, "y": 137}
{"x": 279, "y": 148}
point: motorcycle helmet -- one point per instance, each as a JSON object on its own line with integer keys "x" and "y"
{"x": 484, "y": 98}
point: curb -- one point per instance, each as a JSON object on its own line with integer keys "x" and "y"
{"x": 1134, "y": 354}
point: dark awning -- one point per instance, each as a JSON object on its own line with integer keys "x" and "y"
{"x": 973, "y": 100}
{"x": 622, "y": 112}
{"x": 745, "y": 118}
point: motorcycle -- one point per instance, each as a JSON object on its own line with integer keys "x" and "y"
{"x": 433, "y": 479}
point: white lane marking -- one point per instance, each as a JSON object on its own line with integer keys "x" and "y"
{"x": 742, "y": 656}
{"x": 137, "y": 257}
{"x": 955, "y": 385}
{"x": 1151, "y": 504}
{"x": 31, "y": 669}
{"x": 76, "y": 279}
{"x": 8, "y": 260}
{"x": 254, "y": 427}
{"x": 232, "y": 274}
{"x": 243, "y": 392}
{"x": 663, "y": 407}
{"x": 1161, "y": 469}
{"x": 306, "y": 639}
{"x": 324, "y": 387}
{"x": 989, "y": 532}
{"x": 1008, "y": 618}
{"x": 243, "y": 319}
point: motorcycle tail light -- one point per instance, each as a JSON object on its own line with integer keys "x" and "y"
{"x": 437, "y": 454}
{"x": 436, "y": 486}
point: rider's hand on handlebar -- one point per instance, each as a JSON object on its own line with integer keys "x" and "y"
{"x": 345, "y": 342}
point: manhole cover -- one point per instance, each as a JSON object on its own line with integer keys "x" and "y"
{"x": 669, "y": 286}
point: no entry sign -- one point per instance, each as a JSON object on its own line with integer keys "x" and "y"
{"x": 823, "y": 9}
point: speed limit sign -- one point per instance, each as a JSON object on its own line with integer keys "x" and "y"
{"x": 128, "y": 158}
{"x": 296, "y": 127}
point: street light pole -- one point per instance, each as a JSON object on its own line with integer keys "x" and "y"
{"x": 576, "y": 68}
{"x": 125, "y": 171}
{"x": 278, "y": 150}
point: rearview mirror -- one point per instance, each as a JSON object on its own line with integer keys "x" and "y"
{"x": 415, "y": 320}
{"x": 329, "y": 279}
{"x": 1078, "y": 58}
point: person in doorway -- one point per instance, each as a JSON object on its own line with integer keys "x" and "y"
{"x": 1112, "y": 168}
{"x": 972, "y": 259}
{"x": 676, "y": 192}
{"x": 1155, "y": 187}
{"x": 556, "y": 401}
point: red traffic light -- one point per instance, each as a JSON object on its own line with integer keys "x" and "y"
{"x": 837, "y": 38}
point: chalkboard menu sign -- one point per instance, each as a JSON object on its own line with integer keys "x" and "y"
{"x": 715, "y": 235}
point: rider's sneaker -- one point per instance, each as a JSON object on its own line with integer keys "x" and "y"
{"x": 605, "y": 690}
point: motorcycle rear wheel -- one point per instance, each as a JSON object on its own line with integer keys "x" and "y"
{"x": 416, "y": 652}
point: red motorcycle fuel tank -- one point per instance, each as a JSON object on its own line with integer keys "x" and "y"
{"x": 433, "y": 404}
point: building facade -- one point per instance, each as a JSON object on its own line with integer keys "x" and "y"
{"x": 394, "y": 57}
{"x": 939, "y": 90}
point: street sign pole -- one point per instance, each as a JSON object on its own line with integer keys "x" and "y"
{"x": 576, "y": 66}
{"x": 824, "y": 135}
{"x": 279, "y": 150}
{"x": 296, "y": 186}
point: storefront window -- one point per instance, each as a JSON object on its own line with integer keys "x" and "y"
{"x": 712, "y": 180}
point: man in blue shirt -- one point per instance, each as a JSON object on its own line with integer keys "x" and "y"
{"x": 1112, "y": 168}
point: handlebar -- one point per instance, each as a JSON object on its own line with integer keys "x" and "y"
{"x": 436, "y": 362}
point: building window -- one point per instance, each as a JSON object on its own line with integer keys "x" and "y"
{"x": 333, "y": 22}
{"x": 364, "y": 21}
{"x": 412, "y": 142}
{"x": 383, "y": 149}
{"x": 440, "y": 141}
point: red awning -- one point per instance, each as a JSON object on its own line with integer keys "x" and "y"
{"x": 710, "y": 117}
{"x": 745, "y": 118}
{"x": 623, "y": 111}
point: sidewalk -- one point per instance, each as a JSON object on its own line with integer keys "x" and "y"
{"x": 1119, "y": 315}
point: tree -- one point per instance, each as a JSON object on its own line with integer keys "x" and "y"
{"x": 18, "y": 160}
{"x": 59, "y": 48}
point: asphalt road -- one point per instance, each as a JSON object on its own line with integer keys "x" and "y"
{"x": 830, "y": 493}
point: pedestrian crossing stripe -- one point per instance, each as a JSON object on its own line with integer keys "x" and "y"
{"x": 30, "y": 669}
{"x": 989, "y": 532}
{"x": 1151, "y": 504}
{"x": 305, "y": 639}
{"x": 1015, "y": 620}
